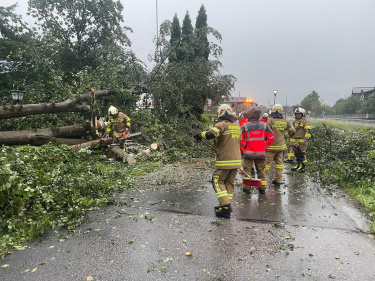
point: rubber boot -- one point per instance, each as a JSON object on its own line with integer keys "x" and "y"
{"x": 122, "y": 144}
{"x": 223, "y": 211}
{"x": 262, "y": 190}
{"x": 302, "y": 168}
{"x": 296, "y": 167}
{"x": 246, "y": 190}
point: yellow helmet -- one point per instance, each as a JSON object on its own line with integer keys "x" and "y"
{"x": 277, "y": 107}
{"x": 300, "y": 110}
{"x": 223, "y": 110}
{"x": 112, "y": 110}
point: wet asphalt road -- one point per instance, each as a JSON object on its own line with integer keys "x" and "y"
{"x": 299, "y": 231}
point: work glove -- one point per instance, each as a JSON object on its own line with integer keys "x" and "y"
{"x": 198, "y": 137}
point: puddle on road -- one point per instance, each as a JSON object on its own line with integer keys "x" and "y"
{"x": 297, "y": 201}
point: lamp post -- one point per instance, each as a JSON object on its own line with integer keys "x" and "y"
{"x": 274, "y": 96}
{"x": 17, "y": 95}
{"x": 286, "y": 107}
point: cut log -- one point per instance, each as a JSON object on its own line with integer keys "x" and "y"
{"x": 101, "y": 142}
{"x": 154, "y": 146}
{"x": 131, "y": 159}
{"x": 94, "y": 143}
{"x": 119, "y": 153}
{"x": 68, "y": 141}
{"x": 43, "y": 136}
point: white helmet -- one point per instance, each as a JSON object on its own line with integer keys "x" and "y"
{"x": 300, "y": 110}
{"x": 223, "y": 110}
{"x": 265, "y": 115}
{"x": 112, "y": 110}
{"x": 277, "y": 107}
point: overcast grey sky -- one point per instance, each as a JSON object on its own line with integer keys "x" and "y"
{"x": 293, "y": 46}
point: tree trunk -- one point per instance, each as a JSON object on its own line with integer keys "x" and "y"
{"x": 101, "y": 142}
{"x": 43, "y": 136}
{"x": 94, "y": 143}
{"x": 69, "y": 105}
{"x": 119, "y": 153}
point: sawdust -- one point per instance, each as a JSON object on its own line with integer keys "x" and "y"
{"x": 178, "y": 173}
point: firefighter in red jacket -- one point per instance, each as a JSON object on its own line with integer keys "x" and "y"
{"x": 257, "y": 136}
{"x": 242, "y": 121}
{"x": 227, "y": 135}
{"x": 264, "y": 118}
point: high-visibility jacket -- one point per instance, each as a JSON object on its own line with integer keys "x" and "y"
{"x": 280, "y": 127}
{"x": 257, "y": 136}
{"x": 243, "y": 121}
{"x": 118, "y": 124}
{"x": 303, "y": 128}
{"x": 227, "y": 139}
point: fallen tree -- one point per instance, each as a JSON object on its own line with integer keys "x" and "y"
{"x": 43, "y": 136}
{"x": 69, "y": 105}
{"x": 101, "y": 142}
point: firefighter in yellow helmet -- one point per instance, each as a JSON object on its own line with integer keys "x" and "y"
{"x": 275, "y": 152}
{"x": 300, "y": 140}
{"x": 227, "y": 135}
{"x": 119, "y": 125}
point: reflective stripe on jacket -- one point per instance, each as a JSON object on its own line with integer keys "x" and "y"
{"x": 119, "y": 124}
{"x": 280, "y": 127}
{"x": 243, "y": 121}
{"x": 227, "y": 140}
{"x": 303, "y": 128}
{"x": 257, "y": 137}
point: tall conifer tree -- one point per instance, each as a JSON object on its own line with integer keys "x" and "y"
{"x": 187, "y": 38}
{"x": 175, "y": 40}
{"x": 202, "y": 47}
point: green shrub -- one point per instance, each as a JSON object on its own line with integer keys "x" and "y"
{"x": 50, "y": 186}
{"x": 345, "y": 155}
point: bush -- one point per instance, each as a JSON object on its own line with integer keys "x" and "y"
{"x": 50, "y": 186}
{"x": 345, "y": 155}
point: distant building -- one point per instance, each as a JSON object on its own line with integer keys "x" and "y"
{"x": 363, "y": 92}
{"x": 146, "y": 101}
{"x": 238, "y": 104}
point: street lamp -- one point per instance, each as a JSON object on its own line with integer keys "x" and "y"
{"x": 286, "y": 106}
{"x": 274, "y": 98}
{"x": 17, "y": 95}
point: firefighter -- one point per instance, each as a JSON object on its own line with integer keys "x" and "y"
{"x": 257, "y": 136}
{"x": 119, "y": 124}
{"x": 275, "y": 152}
{"x": 243, "y": 120}
{"x": 264, "y": 118}
{"x": 227, "y": 135}
{"x": 302, "y": 136}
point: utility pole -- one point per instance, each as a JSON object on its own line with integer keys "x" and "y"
{"x": 157, "y": 28}
{"x": 286, "y": 107}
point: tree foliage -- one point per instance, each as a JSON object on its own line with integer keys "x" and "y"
{"x": 308, "y": 102}
{"x": 88, "y": 32}
{"x": 76, "y": 46}
{"x": 183, "y": 85}
{"x": 202, "y": 48}
{"x": 175, "y": 41}
{"x": 80, "y": 45}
